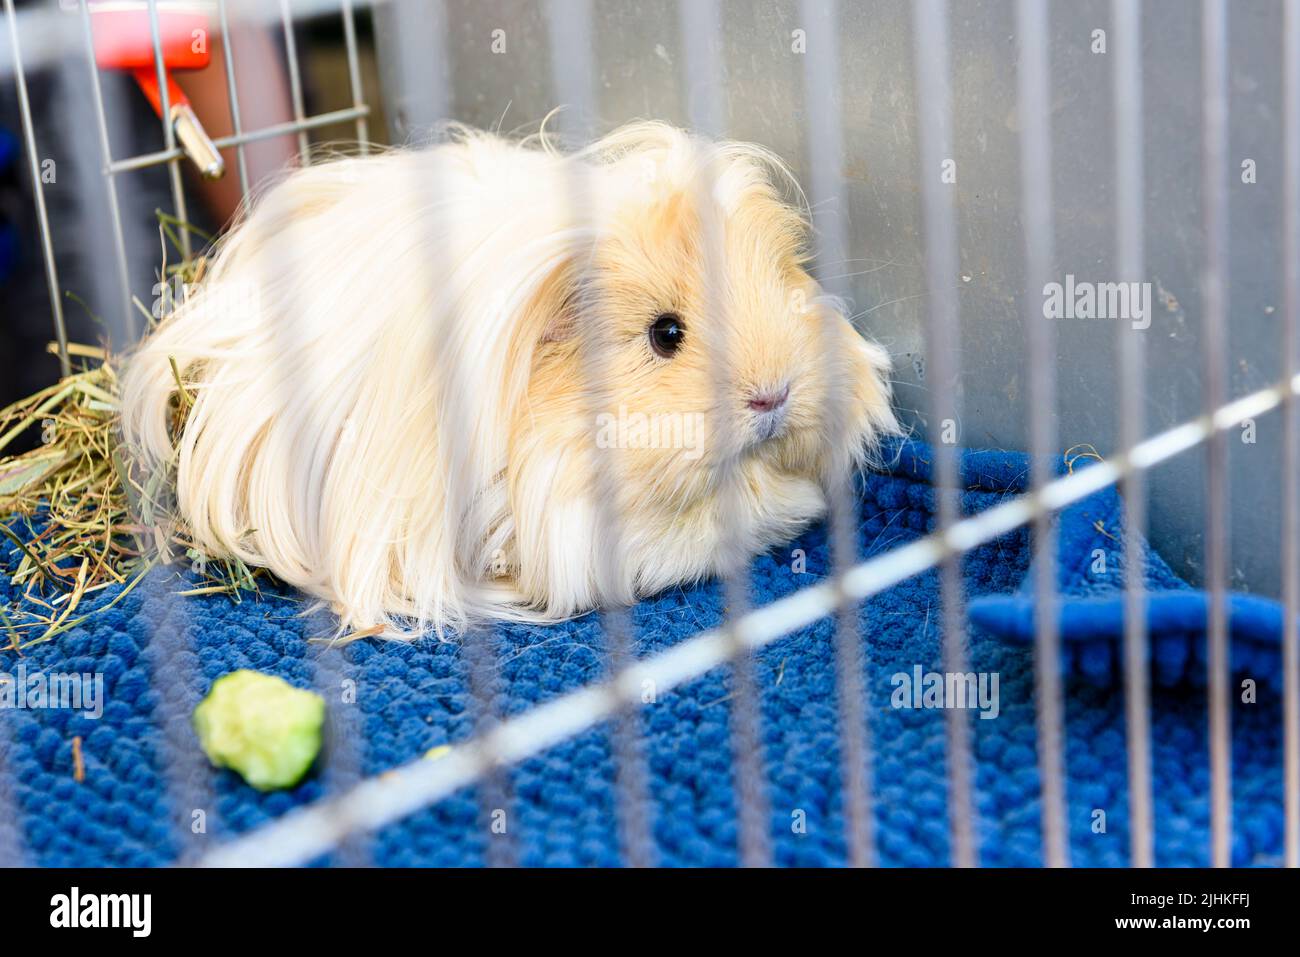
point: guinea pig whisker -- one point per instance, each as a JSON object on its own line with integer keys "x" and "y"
{"x": 860, "y": 272}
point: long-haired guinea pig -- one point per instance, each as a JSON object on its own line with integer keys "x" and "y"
{"x": 403, "y": 372}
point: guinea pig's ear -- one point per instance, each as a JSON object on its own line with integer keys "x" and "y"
{"x": 554, "y": 310}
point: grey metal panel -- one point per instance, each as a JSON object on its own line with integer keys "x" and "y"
{"x": 640, "y": 55}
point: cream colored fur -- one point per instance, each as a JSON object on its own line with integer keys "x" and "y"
{"x": 394, "y": 364}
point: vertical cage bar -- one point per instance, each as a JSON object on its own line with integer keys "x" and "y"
{"x": 573, "y": 69}
{"x": 1291, "y": 425}
{"x": 1129, "y": 197}
{"x": 185, "y": 772}
{"x": 344, "y": 735}
{"x": 295, "y": 81}
{"x": 129, "y": 323}
{"x": 185, "y": 781}
{"x": 354, "y": 75}
{"x": 1034, "y": 91}
{"x": 481, "y": 672}
{"x": 934, "y": 105}
{"x": 232, "y": 94}
{"x": 12, "y": 850}
{"x": 702, "y": 42}
{"x": 823, "y": 103}
{"x": 169, "y": 131}
{"x": 1214, "y": 169}
{"x": 422, "y": 32}
{"x": 340, "y": 758}
{"x": 38, "y": 190}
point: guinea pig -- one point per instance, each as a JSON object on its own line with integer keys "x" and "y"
{"x": 405, "y": 373}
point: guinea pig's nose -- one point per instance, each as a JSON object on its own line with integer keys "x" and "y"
{"x": 769, "y": 400}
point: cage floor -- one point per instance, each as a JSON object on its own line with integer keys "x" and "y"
{"x": 144, "y": 778}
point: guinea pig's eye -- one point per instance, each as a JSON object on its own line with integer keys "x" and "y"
{"x": 666, "y": 334}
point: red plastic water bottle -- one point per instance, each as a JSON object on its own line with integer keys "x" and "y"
{"x": 123, "y": 40}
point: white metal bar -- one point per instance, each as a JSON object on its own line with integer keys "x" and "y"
{"x": 146, "y": 160}
{"x": 1291, "y": 425}
{"x": 422, "y": 32}
{"x": 934, "y": 105}
{"x": 12, "y": 850}
{"x": 354, "y": 75}
{"x": 307, "y": 832}
{"x": 188, "y": 784}
{"x": 340, "y": 760}
{"x": 343, "y": 766}
{"x": 38, "y": 191}
{"x": 130, "y": 323}
{"x": 701, "y": 33}
{"x": 169, "y": 131}
{"x": 1214, "y": 170}
{"x": 422, "y": 29}
{"x": 187, "y": 787}
{"x": 1034, "y": 94}
{"x": 232, "y": 94}
{"x": 573, "y": 67}
{"x": 823, "y": 105}
{"x": 295, "y": 82}
{"x": 495, "y": 796}
{"x": 1130, "y": 195}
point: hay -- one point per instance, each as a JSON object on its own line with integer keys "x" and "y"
{"x": 77, "y": 509}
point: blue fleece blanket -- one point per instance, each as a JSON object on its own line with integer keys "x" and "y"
{"x": 148, "y": 797}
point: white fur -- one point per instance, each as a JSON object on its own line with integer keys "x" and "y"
{"x": 356, "y": 368}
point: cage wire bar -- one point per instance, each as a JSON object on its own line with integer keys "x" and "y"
{"x": 38, "y": 189}
{"x": 295, "y": 82}
{"x": 354, "y": 77}
{"x": 942, "y": 328}
{"x": 701, "y": 34}
{"x": 264, "y": 133}
{"x": 422, "y": 59}
{"x": 1033, "y": 94}
{"x": 341, "y": 758}
{"x": 1291, "y": 426}
{"x": 169, "y": 132}
{"x": 12, "y": 848}
{"x": 130, "y": 327}
{"x": 232, "y": 95}
{"x": 93, "y": 205}
{"x": 1214, "y": 170}
{"x": 304, "y": 833}
{"x": 573, "y": 73}
{"x": 343, "y": 738}
{"x": 189, "y": 791}
{"x": 823, "y": 106}
{"x": 1126, "y": 93}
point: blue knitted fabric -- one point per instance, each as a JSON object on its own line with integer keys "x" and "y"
{"x": 145, "y": 778}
